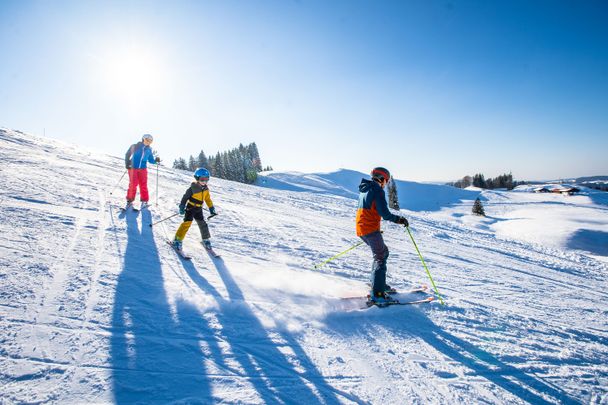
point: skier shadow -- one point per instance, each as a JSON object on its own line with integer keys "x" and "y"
{"x": 262, "y": 359}
{"x": 153, "y": 357}
{"x": 413, "y": 322}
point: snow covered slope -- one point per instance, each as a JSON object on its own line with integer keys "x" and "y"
{"x": 95, "y": 307}
{"x": 412, "y": 196}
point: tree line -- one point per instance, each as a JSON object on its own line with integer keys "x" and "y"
{"x": 479, "y": 180}
{"x": 240, "y": 164}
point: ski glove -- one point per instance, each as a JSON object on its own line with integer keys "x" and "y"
{"x": 182, "y": 210}
{"x": 212, "y": 211}
{"x": 128, "y": 166}
{"x": 403, "y": 221}
{"x": 157, "y": 160}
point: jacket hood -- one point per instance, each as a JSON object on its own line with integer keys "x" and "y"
{"x": 366, "y": 185}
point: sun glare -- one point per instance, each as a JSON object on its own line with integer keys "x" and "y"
{"x": 133, "y": 74}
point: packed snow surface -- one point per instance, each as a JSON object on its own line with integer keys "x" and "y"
{"x": 95, "y": 307}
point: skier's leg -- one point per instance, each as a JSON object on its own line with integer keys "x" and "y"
{"x": 132, "y": 185}
{"x": 143, "y": 185}
{"x": 183, "y": 228}
{"x": 378, "y": 277}
{"x": 202, "y": 225}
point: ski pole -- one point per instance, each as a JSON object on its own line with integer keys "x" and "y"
{"x": 424, "y": 264}
{"x": 157, "y": 184}
{"x": 158, "y": 222}
{"x": 123, "y": 175}
{"x": 318, "y": 266}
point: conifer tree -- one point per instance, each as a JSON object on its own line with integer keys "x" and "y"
{"x": 202, "y": 160}
{"x": 219, "y": 167}
{"x": 393, "y": 199}
{"x": 180, "y": 164}
{"x": 479, "y": 181}
{"x": 192, "y": 163}
{"x": 254, "y": 155}
{"x": 478, "y": 208}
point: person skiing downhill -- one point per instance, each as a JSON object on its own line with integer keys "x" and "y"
{"x": 136, "y": 159}
{"x": 371, "y": 208}
{"x": 191, "y": 206}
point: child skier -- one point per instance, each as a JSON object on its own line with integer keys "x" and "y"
{"x": 192, "y": 206}
{"x": 372, "y": 207}
{"x": 136, "y": 159}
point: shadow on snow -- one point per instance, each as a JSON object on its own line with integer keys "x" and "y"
{"x": 159, "y": 354}
{"x": 277, "y": 377}
{"x": 153, "y": 355}
{"x": 413, "y": 323}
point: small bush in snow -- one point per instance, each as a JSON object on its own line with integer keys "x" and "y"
{"x": 478, "y": 208}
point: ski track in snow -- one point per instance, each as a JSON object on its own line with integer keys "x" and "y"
{"x": 96, "y": 307}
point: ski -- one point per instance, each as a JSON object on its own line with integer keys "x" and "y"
{"x": 397, "y": 302}
{"x": 128, "y": 206}
{"x": 179, "y": 251}
{"x": 422, "y": 288}
{"x": 211, "y": 252}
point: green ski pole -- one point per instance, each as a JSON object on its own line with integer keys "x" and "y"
{"x": 318, "y": 266}
{"x": 424, "y": 264}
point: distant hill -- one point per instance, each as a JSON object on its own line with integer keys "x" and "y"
{"x": 592, "y": 179}
{"x": 412, "y": 195}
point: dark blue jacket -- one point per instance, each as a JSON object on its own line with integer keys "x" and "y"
{"x": 138, "y": 156}
{"x": 372, "y": 206}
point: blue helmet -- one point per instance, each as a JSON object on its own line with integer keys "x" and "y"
{"x": 201, "y": 173}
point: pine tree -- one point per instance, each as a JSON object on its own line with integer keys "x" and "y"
{"x": 479, "y": 181}
{"x": 393, "y": 199}
{"x": 219, "y": 166}
{"x": 202, "y": 160}
{"x": 254, "y": 155}
{"x": 478, "y": 208}
{"x": 180, "y": 164}
{"x": 192, "y": 163}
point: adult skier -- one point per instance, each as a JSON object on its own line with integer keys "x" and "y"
{"x": 371, "y": 209}
{"x": 191, "y": 207}
{"x": 136, "y": 160}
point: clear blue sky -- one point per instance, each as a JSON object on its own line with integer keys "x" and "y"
{"x": 433, "y": 90}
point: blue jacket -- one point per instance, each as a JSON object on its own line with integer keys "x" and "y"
{"x": 372, "y": 207}
{"x": 138, "y": 156}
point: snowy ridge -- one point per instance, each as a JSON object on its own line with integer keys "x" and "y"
{"x": 95, "y": 307}
{"x": 412, "y": 196}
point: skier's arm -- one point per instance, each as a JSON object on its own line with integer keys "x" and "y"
{"x": 207, "y": 198}
{"x": 382, "y": 207}
{"x": 128, "y": 156}
{"x": 185, "y": 198}
{"x": 151, "y": 158}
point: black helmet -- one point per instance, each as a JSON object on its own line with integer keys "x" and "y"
{"x": 381, "y": 173}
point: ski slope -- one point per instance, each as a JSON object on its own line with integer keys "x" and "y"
{"x": 96, "y": 308}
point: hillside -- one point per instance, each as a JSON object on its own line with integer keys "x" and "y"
{"x": 96, "y": 307}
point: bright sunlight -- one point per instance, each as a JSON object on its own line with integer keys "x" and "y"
{"x": 133, "y": 74}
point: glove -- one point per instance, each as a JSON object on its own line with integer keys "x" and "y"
{"x": 212, "y": 211}
{"x": 182, "y": 210}
{"x": 128, "y": 166}
{"x": 157, "y": 160}
{"x": 403, "y": 221}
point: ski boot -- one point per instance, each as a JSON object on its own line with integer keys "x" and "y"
{"x": 389, "y": 290}
{"x": 177, "y": 244}
{"x": 380, "y": 299}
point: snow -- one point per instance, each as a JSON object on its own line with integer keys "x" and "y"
{"x": 96, "y": 307}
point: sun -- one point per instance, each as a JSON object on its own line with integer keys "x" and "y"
{"x": 133, "y": 74}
